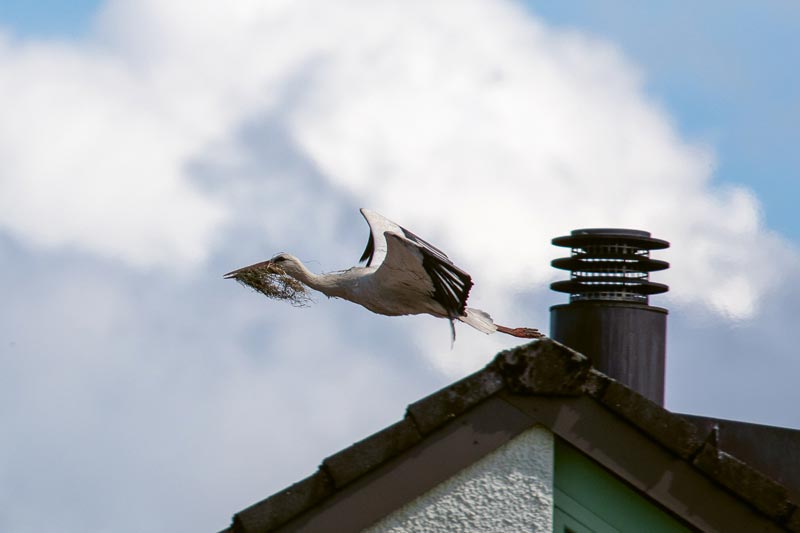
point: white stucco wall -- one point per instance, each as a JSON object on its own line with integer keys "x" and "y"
{"x": 508, "y": 491}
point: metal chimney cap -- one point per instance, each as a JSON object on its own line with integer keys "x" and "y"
{"x": 610, "y": 231}
{"x": 609, "y": 264}
{"x": 581, "y": 237}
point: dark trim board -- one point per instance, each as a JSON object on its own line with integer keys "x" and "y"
{"x": 434, "y": 460}
{"x": 646, "y": 466}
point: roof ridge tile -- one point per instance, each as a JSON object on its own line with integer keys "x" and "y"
{"x": 763, "y": 493}
{"x": 543, "y": 367}
{"x": 438, "y": 408}
{"x": 363, "y": 456}
{"x": 282, "y": 506}
{"x": 670, "y": 430}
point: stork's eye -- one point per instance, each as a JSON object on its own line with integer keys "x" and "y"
{"x": 279, "y": 259}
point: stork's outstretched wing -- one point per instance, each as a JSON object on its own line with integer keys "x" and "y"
{"x": 376, "y": 249}
{"x": 417, "y": 267}
{"x": 451, "y": 285}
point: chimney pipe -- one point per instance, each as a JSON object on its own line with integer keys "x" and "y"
{"x": 608, "y": 317}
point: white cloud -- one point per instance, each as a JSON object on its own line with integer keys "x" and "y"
{"x": 90, "y": 159}
{"x": 474, "y": 124}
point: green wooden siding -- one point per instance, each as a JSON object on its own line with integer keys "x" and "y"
{"x": 589, "y": 499}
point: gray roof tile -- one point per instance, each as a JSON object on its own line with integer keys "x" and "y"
{"x": 355, "y": 461}
{"x": 279, "y": 508}
{"x": 432, "y": 411}
{"x": 761, "y": 492}
{"x": 543, "y": 368}
{"x": 671, "y": 431}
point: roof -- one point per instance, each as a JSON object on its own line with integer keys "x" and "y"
{"x": 688, "y": 473}
{"x": 762, "y": 447}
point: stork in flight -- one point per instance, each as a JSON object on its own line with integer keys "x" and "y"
{"x": 404, "y": 275}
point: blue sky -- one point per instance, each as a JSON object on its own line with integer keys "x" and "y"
{"x": 152, "y": 146}
{"x": 48, "y": 18}
{"x": 725, "y": 72}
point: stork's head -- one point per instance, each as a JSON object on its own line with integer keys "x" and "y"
{"x": 288, "y": 263}
{"x": 280, "y": 278}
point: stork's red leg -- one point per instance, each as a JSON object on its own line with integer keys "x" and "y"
{"x": 525, "y": 333}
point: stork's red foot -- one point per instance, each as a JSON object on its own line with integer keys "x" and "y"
{"x": 525, "y": 333}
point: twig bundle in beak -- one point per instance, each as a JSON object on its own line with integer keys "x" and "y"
{"x": 271, "y": 281}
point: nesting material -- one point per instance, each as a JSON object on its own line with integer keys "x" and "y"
{"x": 271, "y": 281}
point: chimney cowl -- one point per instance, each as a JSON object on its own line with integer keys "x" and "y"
{"x": 609, "y": 264}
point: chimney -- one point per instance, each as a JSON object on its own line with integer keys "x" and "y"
{"x": 608, "y": 317}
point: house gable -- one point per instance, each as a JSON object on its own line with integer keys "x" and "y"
{"x": 510, "y": 489}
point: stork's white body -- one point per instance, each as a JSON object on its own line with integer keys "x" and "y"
{"x": 364, "y": 286}
{"x": 404, "y": 275}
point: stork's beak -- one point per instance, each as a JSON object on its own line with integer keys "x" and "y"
{"x": 233, "y": 274}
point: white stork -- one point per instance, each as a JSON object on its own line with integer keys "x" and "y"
{"x": 404, "y": 275}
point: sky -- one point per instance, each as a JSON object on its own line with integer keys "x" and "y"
{"x": 149, "y": 147}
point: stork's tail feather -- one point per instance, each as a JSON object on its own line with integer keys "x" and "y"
{"x": 479, "y": 320}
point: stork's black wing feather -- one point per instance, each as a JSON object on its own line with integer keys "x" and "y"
{"x": 451, "y": 285}
{"x": 369, "y": 251}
